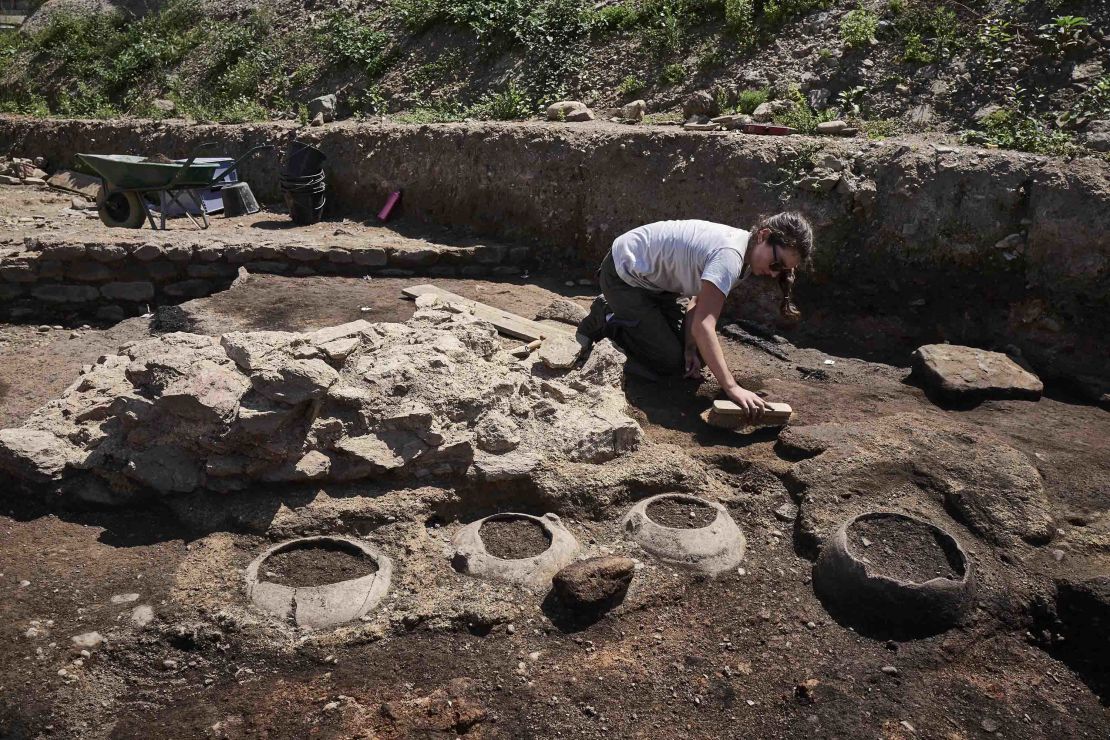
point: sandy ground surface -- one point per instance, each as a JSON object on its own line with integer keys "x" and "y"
{"x": 751, "y": 653}
{"x": 30, "y": 211}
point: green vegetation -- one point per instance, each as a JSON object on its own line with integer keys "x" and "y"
{"x": 994, "y": 40}
{"x": 103, "y": 65}
{"x": 1066, "y": 32}
{"x": 631, "y": 85}
{"x": 348, "y": 40}
{"x": 749, "y": 100}
{"x": 672, "y": 74}
{"x": 800, "y": 116}
{"x": 929, "y": 32}
{"x": 1009, "y": 128}
{"x": 740, "y": 20}
{"x": 858, "y": 27}
{"x": 508, "y": 104}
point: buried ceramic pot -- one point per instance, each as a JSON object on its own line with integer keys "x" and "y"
{"x": 711, "y": 549}
{"x": 326, "y": 605}
{"x": 472, "y": 558}
{"x": 855, "y": 589}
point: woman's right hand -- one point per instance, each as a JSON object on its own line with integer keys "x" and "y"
{"x": 748, "y": 401}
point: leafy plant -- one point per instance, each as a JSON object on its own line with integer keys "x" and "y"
{"x": 507, "y": 105}
{"x": 348, "y": 39}
{"x": 740, "y": 20}
{"x": 611, "y": 19}
{"x": 1065, "y": 32}
{"x": 749, "y": 100}
{"x": 1011, "y": 129}
{"x": 800, "y": 115}
{"x": 858, "y": 27}
{"x": 672, "y": 74}
{"x": 994, "y": 39}
{"x": 630, "y": 85}
{"x": 915, "y": 50}
{"x": 1093, "y": 103}
{"x": 850, "y": 101}
{"x": 929, "y": 33}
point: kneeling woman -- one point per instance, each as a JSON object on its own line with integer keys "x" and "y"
{"x": 650, "y": 268}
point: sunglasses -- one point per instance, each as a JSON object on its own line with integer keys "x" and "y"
{"x": 777, "y": 264}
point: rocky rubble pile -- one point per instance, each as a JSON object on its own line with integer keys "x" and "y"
{"x": 436, "y": 396}
{"x": 19, "y": 170}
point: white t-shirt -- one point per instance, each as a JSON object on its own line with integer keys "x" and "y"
{"x": 675, "y": 256}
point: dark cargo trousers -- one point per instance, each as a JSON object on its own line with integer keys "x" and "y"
{"x": 646, "y": 324}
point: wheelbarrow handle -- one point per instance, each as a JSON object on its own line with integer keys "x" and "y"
{"x": 189, "y": 163}
{"x": 235, "y": 165}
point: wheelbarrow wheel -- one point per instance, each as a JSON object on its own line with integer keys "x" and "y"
{"x": 120, "y": 210}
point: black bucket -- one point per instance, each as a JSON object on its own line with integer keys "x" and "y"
{"x": 302, "y": 160}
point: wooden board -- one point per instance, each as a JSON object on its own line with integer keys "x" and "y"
{"x": 507, "y": 323}
{"x": 776, "y": 412}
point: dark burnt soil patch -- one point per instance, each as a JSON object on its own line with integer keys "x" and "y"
{"x": 903, "y": 549}
{"x": 317, "y": 565}
{"x": 514, "y": 539}
{"x": 681, "y": 513}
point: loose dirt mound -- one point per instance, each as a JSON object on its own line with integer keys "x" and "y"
{"x": 902, "y": 549}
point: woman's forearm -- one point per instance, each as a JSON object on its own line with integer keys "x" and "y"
{"x": 688, "y": 324}
{"x": 705, "y": 334}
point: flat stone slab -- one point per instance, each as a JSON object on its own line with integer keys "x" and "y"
{"x": 968, "y": 374}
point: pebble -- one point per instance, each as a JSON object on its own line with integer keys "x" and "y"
{"x": 142, "y": 615}
{"x": 907, "y": 726}
{"x": 169, "y": 664}
{"x": 569, "y": 283}
{"x": 124, "y": 598}
{"x": 44, "y": 328}
{"x": 24, "y": 584}
{"x": 331, "y": 706}
{"x": 510, "y": 628}
{"x": 990, "y": 725}
{"x": 88, "y": 640}
{"x": 890, "y": 670}
{"x": 1057, "y": 555}
{"x": 866, "y": 542}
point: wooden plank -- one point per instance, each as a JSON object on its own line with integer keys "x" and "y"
{"x": 507, "y": 323}
{"x": 775, "y": 412}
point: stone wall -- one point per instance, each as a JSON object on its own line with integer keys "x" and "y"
{"x": 113, "y": 279}
{"x": 976, "y": 246}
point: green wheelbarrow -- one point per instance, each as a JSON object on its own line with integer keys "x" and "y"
{"x": 128, "y": 179}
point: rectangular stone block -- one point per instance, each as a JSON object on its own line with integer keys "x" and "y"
{"x": 63, "y": 251}
{"x": 134, "y": 291}
{"x": 211, "y": 270}
{"x": 490, "y": 254}
{"x": 414, "y": 258}
{"x": 162, "y": 271}
{"x": 370, "y": 257}
{"x": 65, "y": 293}
{"x": 190, "y": 289}
{"x": 268, "y": 266}
{"x": 19, "y": 272}
{"x": 108, "y": 252}
{"x": 88, "y": 271}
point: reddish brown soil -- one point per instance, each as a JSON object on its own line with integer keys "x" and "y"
{"x": 902, "y": 549}
{"x": 681, "y": 513}
{"x": 513, "y": 539}
{"x": 711, "y": 658}
{"x": 316, "y": 566}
